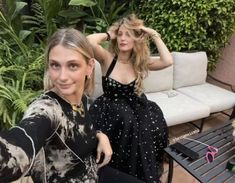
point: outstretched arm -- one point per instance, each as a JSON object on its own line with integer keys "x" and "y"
{"x": 165, "y": 58}
{"x": 20, "y": 144}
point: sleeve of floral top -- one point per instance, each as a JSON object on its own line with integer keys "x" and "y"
{"x": 20, "y": 144}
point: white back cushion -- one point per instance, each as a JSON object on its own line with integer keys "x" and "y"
{"x": 159, "y": 80}
{"x": 98, "y": 81}
{"x": 189, "y": 68}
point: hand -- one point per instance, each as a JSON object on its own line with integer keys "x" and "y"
{"x": 103, "y": 148}
{"x": 150, "y": 32}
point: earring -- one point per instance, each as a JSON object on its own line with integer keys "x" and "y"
{"x": 88, "y": 76}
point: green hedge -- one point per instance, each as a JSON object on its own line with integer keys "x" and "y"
{"x": 188, "y": 25}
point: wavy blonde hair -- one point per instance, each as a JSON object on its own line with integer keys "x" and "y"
{"x": 140, "y": 54}
{"x": 72, "y": 39}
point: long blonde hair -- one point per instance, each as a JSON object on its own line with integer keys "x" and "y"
{"x": 72, "y": 39}
{"x": 140, "y": 54}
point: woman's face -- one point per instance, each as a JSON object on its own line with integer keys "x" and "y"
{"x": 67, "y": 70}
{"x": 124, "y": 39}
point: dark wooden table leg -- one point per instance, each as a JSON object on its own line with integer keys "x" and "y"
{"x": 170, "y": 171}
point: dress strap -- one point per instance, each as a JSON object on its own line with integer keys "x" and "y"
{"x": 110, "y": 69}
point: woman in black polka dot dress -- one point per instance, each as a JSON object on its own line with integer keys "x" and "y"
{"x": 135, "y": 126}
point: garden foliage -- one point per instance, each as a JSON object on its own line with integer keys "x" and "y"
{"x": 24, "y": 29}
{"x": 185, "y": 25}
{"x": 188, "y": 25}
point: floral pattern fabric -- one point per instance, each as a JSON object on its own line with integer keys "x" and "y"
{"x": 52, "y": 143}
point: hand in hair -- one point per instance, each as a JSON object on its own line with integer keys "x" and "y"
{"x": 150, "y": 32}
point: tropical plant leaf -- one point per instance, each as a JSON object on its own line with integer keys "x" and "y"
{"x": 19, "y": 7}
{"x": 9, "y": 30}
{"x": 86, "y": 3}
{"x": 23, "y": 34}
{"x": 5, "y": 93}
{"x": 72, "y": 14}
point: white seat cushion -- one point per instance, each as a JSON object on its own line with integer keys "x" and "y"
{"x": 218, "y": 99}
{"x": 159, "y": 80}
{"x": 179, "y": 108}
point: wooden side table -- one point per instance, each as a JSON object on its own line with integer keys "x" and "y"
{"x": 215, "y": 172}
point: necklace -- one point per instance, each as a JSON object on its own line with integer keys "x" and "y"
{"x": 75, "y": 107}
{"x": 79, "y": 109}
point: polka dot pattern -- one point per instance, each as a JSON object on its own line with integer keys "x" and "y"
{"x": 135, "y": 126}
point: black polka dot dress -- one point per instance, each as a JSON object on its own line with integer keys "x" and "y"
{"x": 135, "y": 126}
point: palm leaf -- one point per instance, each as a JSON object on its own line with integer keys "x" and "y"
{"x": 14, "y": 99}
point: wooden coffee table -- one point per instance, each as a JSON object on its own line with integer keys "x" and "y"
{"x": 215, "y": 172}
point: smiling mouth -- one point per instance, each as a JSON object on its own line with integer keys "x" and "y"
{"x": 65, "y": 86}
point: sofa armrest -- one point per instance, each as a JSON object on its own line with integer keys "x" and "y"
{"x": 231, "y": 87}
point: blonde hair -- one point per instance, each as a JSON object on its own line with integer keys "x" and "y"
{"x": 140, "y": 54}
{"x": 72, "y": 39}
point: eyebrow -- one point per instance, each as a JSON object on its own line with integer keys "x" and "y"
{"x": 66, "y": 61}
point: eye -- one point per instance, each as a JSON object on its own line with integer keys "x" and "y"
{"x": 73, "y": 66}
{"x": 119, "y": 34}
{"x": 127, "y": 34}
{"x": 54, "y": 65}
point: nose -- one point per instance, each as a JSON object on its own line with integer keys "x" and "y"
{"x": 122, "y": 37}
{"x": 63, "y": 74}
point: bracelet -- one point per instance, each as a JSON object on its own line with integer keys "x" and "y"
{"x": 157, "y": 35}
{"x": 108, "y": 36}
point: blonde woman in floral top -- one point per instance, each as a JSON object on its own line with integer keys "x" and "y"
{"x": 55, "y": 141}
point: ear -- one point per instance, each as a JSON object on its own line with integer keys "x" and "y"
{"x": 91, "y": 65}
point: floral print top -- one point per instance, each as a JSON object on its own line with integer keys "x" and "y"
{"x": 52, "y": 143}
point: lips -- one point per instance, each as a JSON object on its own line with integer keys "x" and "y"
{"x": 64, "y": 86}
{"x": 123, "y": 44}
